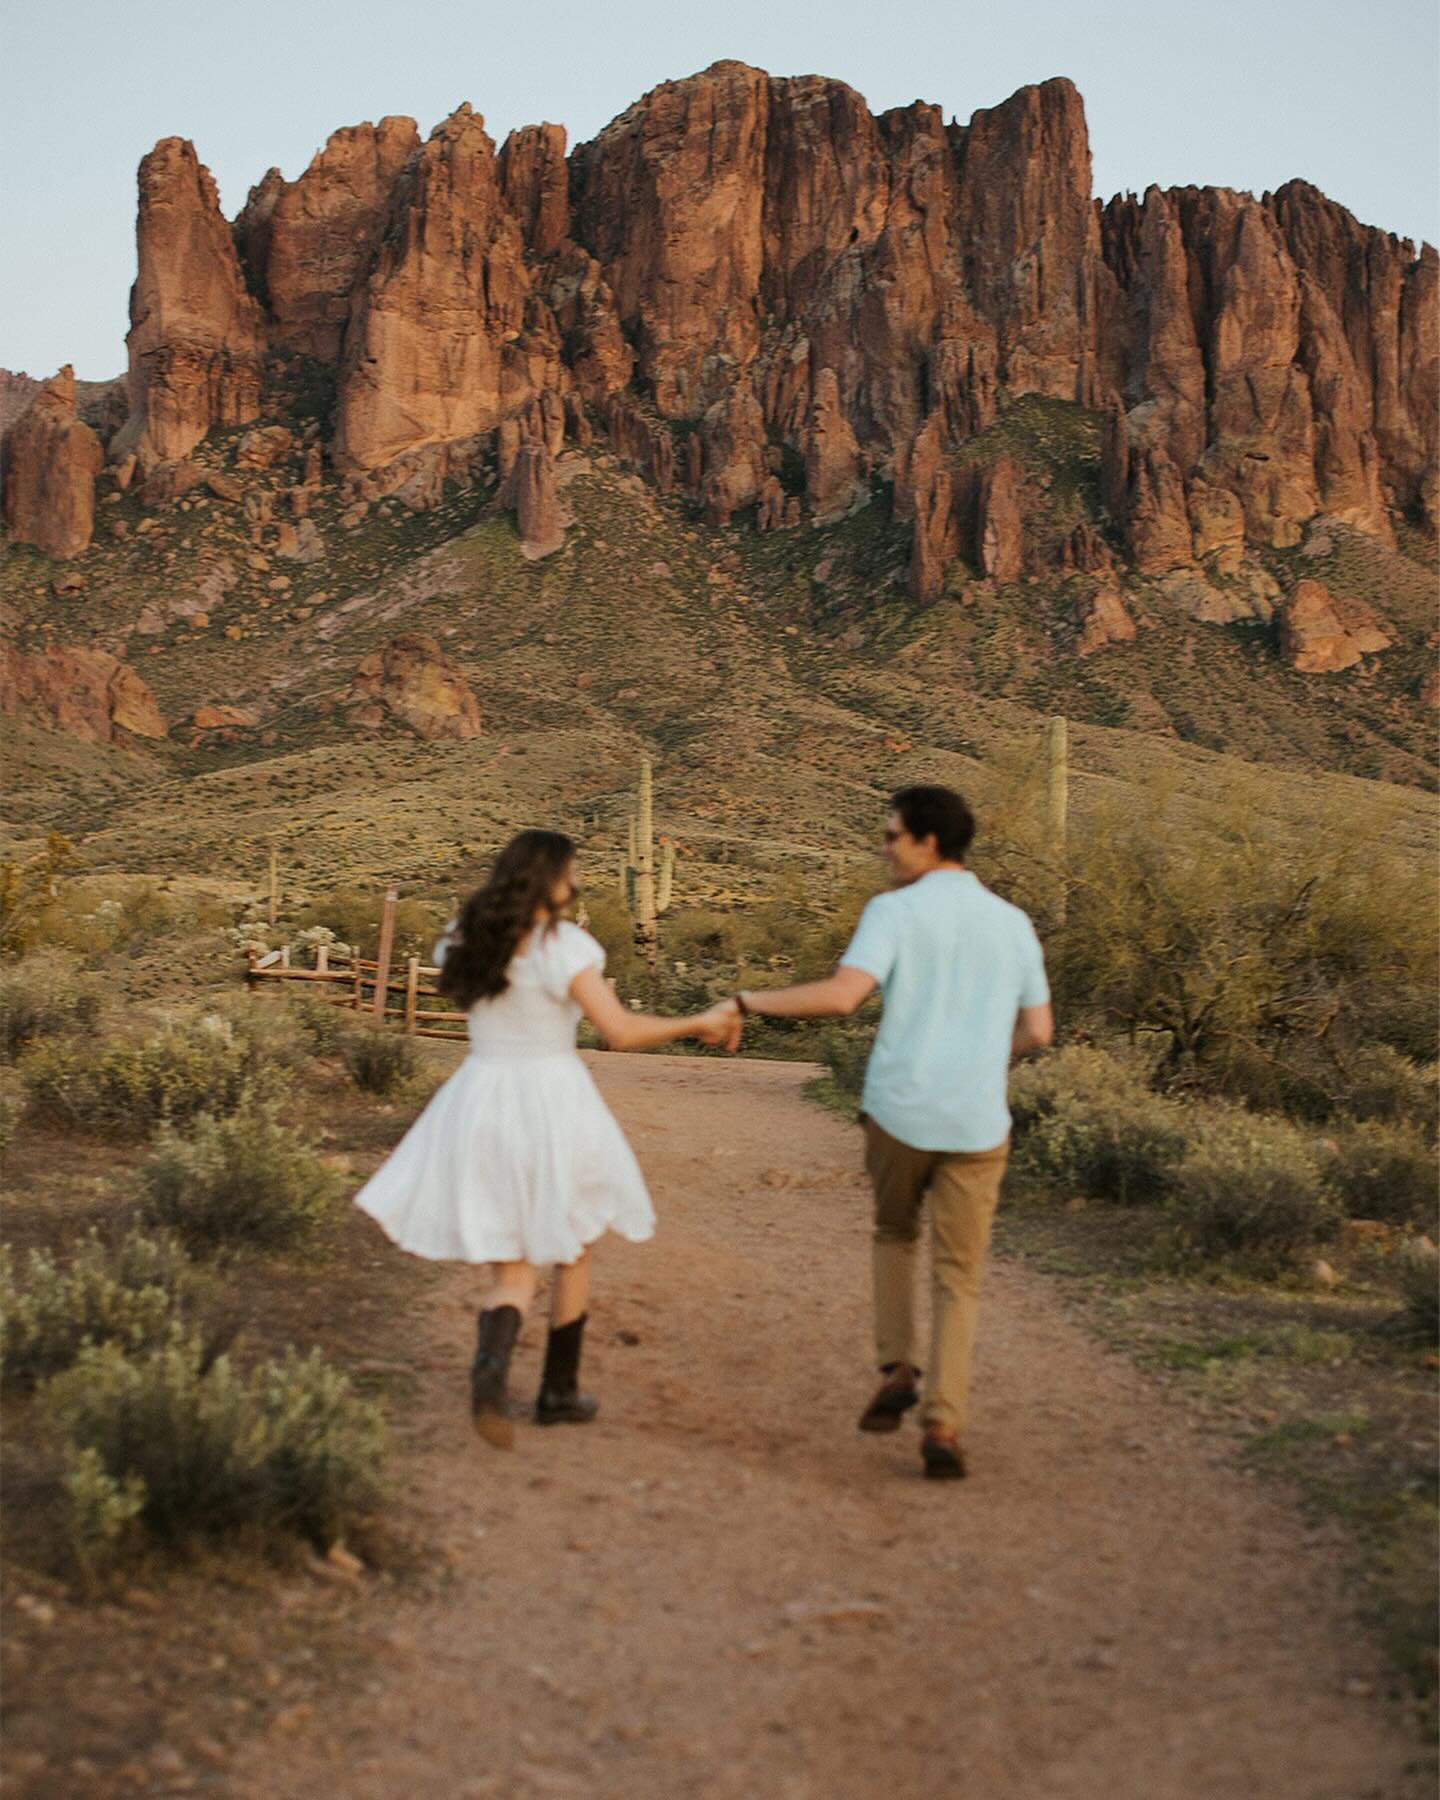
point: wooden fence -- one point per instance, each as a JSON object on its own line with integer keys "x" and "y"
{"x": 390, "y": 992}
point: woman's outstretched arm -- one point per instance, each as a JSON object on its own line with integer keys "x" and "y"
{"x": 626, "y": 1030}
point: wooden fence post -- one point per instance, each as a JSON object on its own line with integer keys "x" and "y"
{"x": 274, "y": 908}
{"x": 412, "y": 992}
{"x": 322, "y": 959}
{"x": 382, "y": 955}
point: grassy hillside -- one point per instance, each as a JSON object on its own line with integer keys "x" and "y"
{"x": 784, "y": 683}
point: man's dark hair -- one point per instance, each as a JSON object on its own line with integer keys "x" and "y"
{"x": 937, "y": 812}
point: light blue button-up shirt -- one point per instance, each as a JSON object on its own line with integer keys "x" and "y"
{"x": 955, "y": 964}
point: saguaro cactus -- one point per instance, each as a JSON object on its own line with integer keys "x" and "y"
{"x": 645, "y": 933}
{"x": 1057, "y": 746}
{"x": 667, "y": 875}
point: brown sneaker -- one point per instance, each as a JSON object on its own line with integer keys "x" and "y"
{"x": 941, "y": 1453}
{"x": 893, "y": 1398}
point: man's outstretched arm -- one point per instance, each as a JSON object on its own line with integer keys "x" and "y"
{"x": 834, "y": 998}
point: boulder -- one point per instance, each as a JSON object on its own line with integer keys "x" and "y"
{"x": 263, "y": 447}
{"x": 1102, "y": 618}
{"x": 1322, "y": 635}
{"x": 169, "y": 481}
{"x": 48, "y": 464}
{"x": 412, "y": 681}
{"x": 84, "y": 693}
{"x": 221, "y": 718}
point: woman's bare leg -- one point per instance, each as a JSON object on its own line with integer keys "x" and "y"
{"x": 515, "y": 1284}
{"x": 570, "y": 1291}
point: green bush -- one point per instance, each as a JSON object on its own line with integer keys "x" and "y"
{"x": 242, "y": 1179}
{"x": 1383, "y": 1084}
{"x": 1251, "y": 1191}
{"x": 129, "y": 1292}
{"x": 378, "y": 1060}
{"x": 207, "y": 1451}
{"x": 1419, "y": 1270}
{"x": 44, "y": 995}
{"x": 1085, "y": 1122}
{"x": 324, "y": 1024}
{"x": 1386, "y": 1172}
{"x": 845, "y": 1051}
{"x": 128, "y": 1089}
{"x": 273, "y": 1037}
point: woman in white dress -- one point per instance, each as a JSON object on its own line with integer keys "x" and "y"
{"x": 517, "y": 1161}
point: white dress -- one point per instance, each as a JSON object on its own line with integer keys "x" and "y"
{"x": 516, "y": 1158}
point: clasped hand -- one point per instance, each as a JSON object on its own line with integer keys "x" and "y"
{"x": 723, "y": 1024}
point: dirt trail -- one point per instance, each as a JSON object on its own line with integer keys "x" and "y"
{"x": 722, "y": 1589}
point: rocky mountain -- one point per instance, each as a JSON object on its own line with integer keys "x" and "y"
{"x": 784, "y": 313}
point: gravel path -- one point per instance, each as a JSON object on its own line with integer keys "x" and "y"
{"x": 722, "y": 1589}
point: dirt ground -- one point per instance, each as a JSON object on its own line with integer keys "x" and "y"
{"x": 722, "y": 1589}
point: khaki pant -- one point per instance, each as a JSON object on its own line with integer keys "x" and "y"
{"x": 963, "y": 1188}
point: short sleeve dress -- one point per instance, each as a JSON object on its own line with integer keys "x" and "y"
{"x": 517, "y": 1157}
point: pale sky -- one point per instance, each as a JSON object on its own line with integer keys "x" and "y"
{"x": 1237, "y": 93}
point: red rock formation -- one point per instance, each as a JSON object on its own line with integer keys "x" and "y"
{"x": 424, "y": 357}
{"x": 197, "y": 340}
{"x": 411, "y": 680}
{"x": 308, "y": 242}
{"x": 669, "y": 198}
{"x": 85, "y": 693}
{"x": 48, "y": 465}
{"x": 530, "y": 489}
{"x": 833, "y": 483}
{"x": 1031, "y": 239}
{"x": 999, "y": 545}
{"x": 535, "y": 180}
{"x": 739, "y": 264}
{"x": 1322, "y": 635}
{"x": 1103, "y": 619}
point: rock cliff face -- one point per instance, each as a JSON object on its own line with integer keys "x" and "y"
{"x": 742, "y": 278}
{"x": 48, "y": 466}
{"x": 197, "y": 337}
{"x": 306, "y": 244}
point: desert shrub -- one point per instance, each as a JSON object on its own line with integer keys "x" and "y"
{"x": 241, "y": 1179}
{"x": 700, "y": 934}
{"x": 1251, "y": 1191}
{"x": 378, "y": 1060}
{"x": 129, "y": 1292}
{"x": 272, "y": 1036}
{"x": 1387, "y": 1172}
{"x": 101, "y": 1511}
{"x": 1085, "y": 1122}
{"x": 129, "y": 1088}
{"x": 324, "y": 1024}
{"x": 845, "y": 1050}
{"x": 44, "y": 995}
{"x": 28, "y": 892}
{"x": 608, "y": 921}
{"x": 1383, "y": 1084}
{"x": 207, "y": 1450}
{"x": 1259, "y": 967}
{"x": 1418, "y": 1268}
{"x": 353, "y": 914}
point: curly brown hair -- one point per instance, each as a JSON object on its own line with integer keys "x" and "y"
{"x": 496, "y": 916}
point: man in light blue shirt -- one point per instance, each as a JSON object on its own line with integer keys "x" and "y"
{"x": 963, "y": 980}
